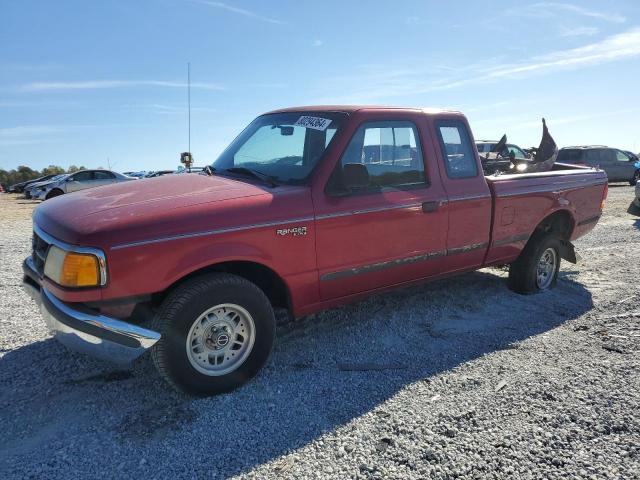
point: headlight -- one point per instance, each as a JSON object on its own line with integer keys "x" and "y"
{"x": 71, "y": 269}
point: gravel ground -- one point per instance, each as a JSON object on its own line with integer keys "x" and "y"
{"x": 456, "y": 379}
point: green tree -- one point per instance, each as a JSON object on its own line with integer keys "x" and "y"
{"x": 52, "y": 170}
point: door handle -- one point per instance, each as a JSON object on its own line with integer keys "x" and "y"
{"x": 430, "y": 207}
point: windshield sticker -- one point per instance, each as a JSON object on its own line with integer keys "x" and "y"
{"x": 316, "y": 123}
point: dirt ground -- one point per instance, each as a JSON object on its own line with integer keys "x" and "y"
{"x": 460, "y": 378}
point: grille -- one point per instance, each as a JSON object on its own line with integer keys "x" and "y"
{"x": 39, "y": 253}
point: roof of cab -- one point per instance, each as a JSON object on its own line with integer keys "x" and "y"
{"x": 357, "y": 108}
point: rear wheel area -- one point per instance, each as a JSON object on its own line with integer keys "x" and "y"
{"x": 56, "y": 192}
{"x": 217, "y": 333}
{"x": 536, "y": 269}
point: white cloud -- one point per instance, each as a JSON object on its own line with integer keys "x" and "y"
{"x": 580, "y": 32}
{"x": 554, "y": 9}
{"x": 616, "y": 47}
{"x": 29, "y": 134}
{"x": 29, "y": 130}
{"x": 240, "y": 11}
{"x": 103, "y": 84}
{"x": 568, "y": 7}
{"x": 317, "y": 43}
{"x": 373, "y": 83}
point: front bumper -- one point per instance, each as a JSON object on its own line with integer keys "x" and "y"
{"x": 85, "y": 331}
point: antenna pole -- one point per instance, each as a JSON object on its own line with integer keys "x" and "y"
{"x": 189, "y": 106}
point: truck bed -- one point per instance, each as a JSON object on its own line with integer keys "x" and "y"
{"x": 522, "y": 201}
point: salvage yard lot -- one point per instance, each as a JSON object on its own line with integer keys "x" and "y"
{"x": 458, "y": 378}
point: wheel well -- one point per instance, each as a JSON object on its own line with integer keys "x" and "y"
{"x": 561, "y": 222}
{"x": 263, "y": 277}
{"x": 54, "y": 190}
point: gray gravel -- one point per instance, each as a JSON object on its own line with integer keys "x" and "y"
{"x": 457, "y": 379}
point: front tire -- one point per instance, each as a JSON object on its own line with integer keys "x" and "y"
{"x": 217, "y": 333}
{"x": 536, "y": 269}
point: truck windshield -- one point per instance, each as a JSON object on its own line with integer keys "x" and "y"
{"x": 284, "y": 146}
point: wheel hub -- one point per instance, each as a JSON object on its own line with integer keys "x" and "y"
{"x": 221, "y": 339}
{"x": 546, "y": 268}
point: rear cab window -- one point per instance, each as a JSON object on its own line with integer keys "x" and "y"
{"x": 457, "y": 149}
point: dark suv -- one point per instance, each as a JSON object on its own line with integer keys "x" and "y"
{"x": 620, "y": 166}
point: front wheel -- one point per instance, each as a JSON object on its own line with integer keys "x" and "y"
{"x": 217, "y": 332}
{"x": 536, "y": 269}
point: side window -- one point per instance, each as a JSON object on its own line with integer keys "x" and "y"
{"x": 516, "y": 151}
{"x": 571, "y": 156}
{"x": 383, "y": 155}
{"x": 99, "y": 175}
{"x": 456, "y": 149}
{"x": 82, "y": 176}
{"x": 607, "y": 156}
{"x": 592, "y": 157}
{"x": 622, "y": 157}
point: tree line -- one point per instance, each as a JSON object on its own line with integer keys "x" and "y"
{"x": 24, "y": 173}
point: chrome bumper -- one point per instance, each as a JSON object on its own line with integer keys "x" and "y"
{"x": 85, "y": 331}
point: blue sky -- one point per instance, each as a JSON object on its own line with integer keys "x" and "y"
{"x": 82, "y": 81}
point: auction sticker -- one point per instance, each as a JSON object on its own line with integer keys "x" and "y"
{"x": 317, "y": 123}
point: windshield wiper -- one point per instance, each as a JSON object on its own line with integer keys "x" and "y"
{"x": 268, "y": 179}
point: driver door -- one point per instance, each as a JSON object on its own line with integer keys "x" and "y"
{"x": 389, "y": 225}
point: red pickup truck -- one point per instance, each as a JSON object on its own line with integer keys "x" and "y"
{"x": 307, "y": 209}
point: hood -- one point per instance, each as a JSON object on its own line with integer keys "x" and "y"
{"x": 155, "y": 207}
{"x": 46, "y": 183}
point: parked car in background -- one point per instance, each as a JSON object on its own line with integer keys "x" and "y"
{"x": 79, "y": 181}
{"x": 140, "y": 174}
{"x": 307, "y": 209}
{"x": 29, "y": 189}
{"x": 159, "y": 173}
{"x": 191, "y": 170}
{"x": 485, "y": 146}
{"x": 19, "y": 187}
{"x": 619, "y": 165}
{"x": 634, "y": 157}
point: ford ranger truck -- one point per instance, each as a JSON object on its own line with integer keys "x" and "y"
{"x": 307, "y": 209}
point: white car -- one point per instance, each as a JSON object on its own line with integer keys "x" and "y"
{"x": 78, "y": 181}
{"x": 28, "y": 191}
